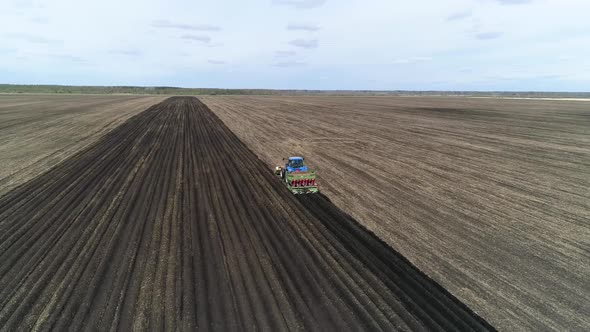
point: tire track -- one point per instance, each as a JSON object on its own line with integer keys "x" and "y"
{"x": 171, "y": 223}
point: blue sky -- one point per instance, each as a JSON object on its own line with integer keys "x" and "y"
{"x": 299, "y": 44}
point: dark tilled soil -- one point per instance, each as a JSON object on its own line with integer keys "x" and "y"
{"x": 170, "y": 222}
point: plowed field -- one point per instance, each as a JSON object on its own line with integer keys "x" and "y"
{"x": 491, "y": 198}
{"x": 170, "y": 222}
{"x": 39, "y": 131}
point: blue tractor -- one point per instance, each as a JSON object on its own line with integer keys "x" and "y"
{"x": 297, "y": 176}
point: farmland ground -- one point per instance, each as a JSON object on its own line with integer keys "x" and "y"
{"x": 491, "y": 198}
{"x": 169, "y": 222}
{"x": 39, "y": 131}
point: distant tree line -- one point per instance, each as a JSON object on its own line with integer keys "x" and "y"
{"x": 164, "y": 90}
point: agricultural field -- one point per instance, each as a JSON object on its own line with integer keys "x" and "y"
{"x": 169, "y": 222}
{"x": 38, "y": 131}
{"x": 490, "y": 198}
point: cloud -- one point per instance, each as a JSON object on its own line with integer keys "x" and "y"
{"x": 459, "y": 16}
{"x": 40, "y": 20}
{"x": 305, "y": 43}
{"x": 303, "y": 27}
{"x": 412, "y": 60}
{"x": 525, "y": 77}
{"x": 513, "y": 2}
{"x": 213, "y": 45}
{"x": 192, "y": 27}
{"x": 284, "y": 54}
{"x": 28, "y": 4}
{"x": 550, "y": 77}
{"x": 301, "y": 4}
{"x": 68, "y": 58}
{"x": 199, "y": 38}
{"x": 34, "y": 39}
{"x": 289, "y": 64}
{"x": 566, "y": 58}
{"x": 216, "y": 62}
{"x": 125, "y": 52}
{"x": 488, "y": 35}
{"x": 475, "y": 27}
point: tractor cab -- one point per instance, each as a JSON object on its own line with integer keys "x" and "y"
{"x": 295, "y": 164}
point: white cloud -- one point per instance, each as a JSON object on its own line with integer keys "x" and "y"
{"x": 459, "y": 15}
{"x": 183, "y": 26}
{"x": 40, "y": 20}
{"x": 125, "y": 52}
{"x": 199, "y": 38}
{"x": 488, "y": 35}
{"x": 301, "y": 4}
{"x": 288, "y": 64}
{"x": 284, "y": 54}
{"x": 216, "y": 62}
{"x": 31, "y": 38}
{"x": 513, "y": 2}
{"x": 411, "y": 60}
{"x": 303, "y": 27}
{"x": 305, "y": 43}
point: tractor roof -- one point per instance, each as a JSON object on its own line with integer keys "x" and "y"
{"x": 295, "y": 158}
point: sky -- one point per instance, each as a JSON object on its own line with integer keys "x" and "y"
{"x": 509, "y": 45}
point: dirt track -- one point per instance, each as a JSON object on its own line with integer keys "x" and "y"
{"x": 170, "y": 222}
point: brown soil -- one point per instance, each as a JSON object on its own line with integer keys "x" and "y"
{"x": 169, "y": 222}
{"x": 489, "y": 197}
{"x": 39, "y": 131}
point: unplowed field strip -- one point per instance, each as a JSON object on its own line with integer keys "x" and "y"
{"x": 170, "y": 222}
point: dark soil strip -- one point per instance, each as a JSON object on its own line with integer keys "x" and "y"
{"x": 171, "y": 223}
